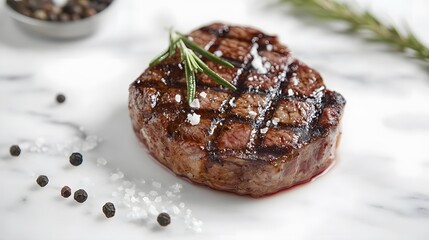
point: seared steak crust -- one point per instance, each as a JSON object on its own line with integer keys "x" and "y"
{"x": 278, "y": 129}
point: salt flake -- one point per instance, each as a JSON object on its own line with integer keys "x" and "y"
{"x": 252, "y": 113}
{"x": 257, "y": 62}
{"x": 195, "y": 104}
{"x": 156, "y": 184}
{"x": 193, "y": 118}
{"x": 203, "y": 94}
{"x": 153, "y": 99}
{"x": 218, "y": 53}
{"x": 231, "y": 102}
{"x": 101, "y": 162}
{"x": 178, "y": 98}
{"x": 276, "y": 121}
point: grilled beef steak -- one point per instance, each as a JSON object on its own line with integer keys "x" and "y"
{"x": 279, "y": 128}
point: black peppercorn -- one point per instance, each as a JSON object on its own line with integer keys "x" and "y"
{"x": 163, "y": 219}
{"x": 109, "y": 210}
{"x": 47, "y": 10}
{"x": 66, "y": 191}
{"x": 61, "y": 98}
{"x": 76, "y": 159}
{"x": 15, "y": 150}
{"x": 42, "y": 180}
{"x": 80, "y": 196}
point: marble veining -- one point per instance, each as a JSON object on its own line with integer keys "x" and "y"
{"x": 378, "y": 188}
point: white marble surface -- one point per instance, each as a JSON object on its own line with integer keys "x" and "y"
{"x": 377, "y": 190}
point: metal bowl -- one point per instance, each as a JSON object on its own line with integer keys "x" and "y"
{"x": 60, "y": 30}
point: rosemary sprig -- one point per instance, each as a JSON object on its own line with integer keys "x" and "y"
{"x": 192, "y": 62}
{"x": 364, "y": 20}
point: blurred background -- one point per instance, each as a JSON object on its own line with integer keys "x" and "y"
{"x": 377, "y": 190}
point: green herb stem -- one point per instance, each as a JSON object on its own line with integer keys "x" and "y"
{"x": 364, "y": 20}
{"x": 192, "y": 62}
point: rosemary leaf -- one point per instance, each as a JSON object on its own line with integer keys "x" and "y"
{"x": 214, "y": 75}
{"x": 188, "y": 62}
{"x": 192, "y": 62}
{"x": 190, "y": 83}
{"x": 159, "y": 59}
{"x": 210, "y": 56}
{"x": 363, "y": 20}
{"x": 172, "y": 47}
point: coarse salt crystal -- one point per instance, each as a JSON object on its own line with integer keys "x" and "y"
{"x": 269, "y": 47}
{"x": 252, "y": 113}
{"x": 195, "y": 104}
{"x": 276, "y": 121}
{"x": 267, "y": 65}
{"x": 294, "y": 79}
{"x": 197, "y": 222}
{"x": 193, "y": 118}
{"x": 231, "y": 102}
{"x": 178, "y": 98}
{"x": 176, "y": 187}
{"x": 153, "y": 99}
{"x": 176, "y": 210}
{"x": 156, "y": 184}
{"x": 116, "y": 176}
{"x": 169, "y": 194}
{"x": 101, "y": 162}
{"x": 133, "y": 215}
{"x": 257, "y": 62}
{"x": 130, "y": 191}
{"x": 290, "y": 92}
{"x": 152, "y": 210}
{"x": 218, "y": 53}
{"x": 203, "y": 94}
{"x": 264, "y": 130}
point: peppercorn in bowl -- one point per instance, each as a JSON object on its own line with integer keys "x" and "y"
{"x": 59, "y": 19}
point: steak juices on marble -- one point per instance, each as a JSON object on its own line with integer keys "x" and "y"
{"x": 280, "y": 128}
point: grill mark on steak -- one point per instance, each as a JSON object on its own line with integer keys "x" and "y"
{"x": 239, "y": 80}
{"x": 255, "y": 135}
{"x": 219, "y": 33}
{"x": 212, "y": 145}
